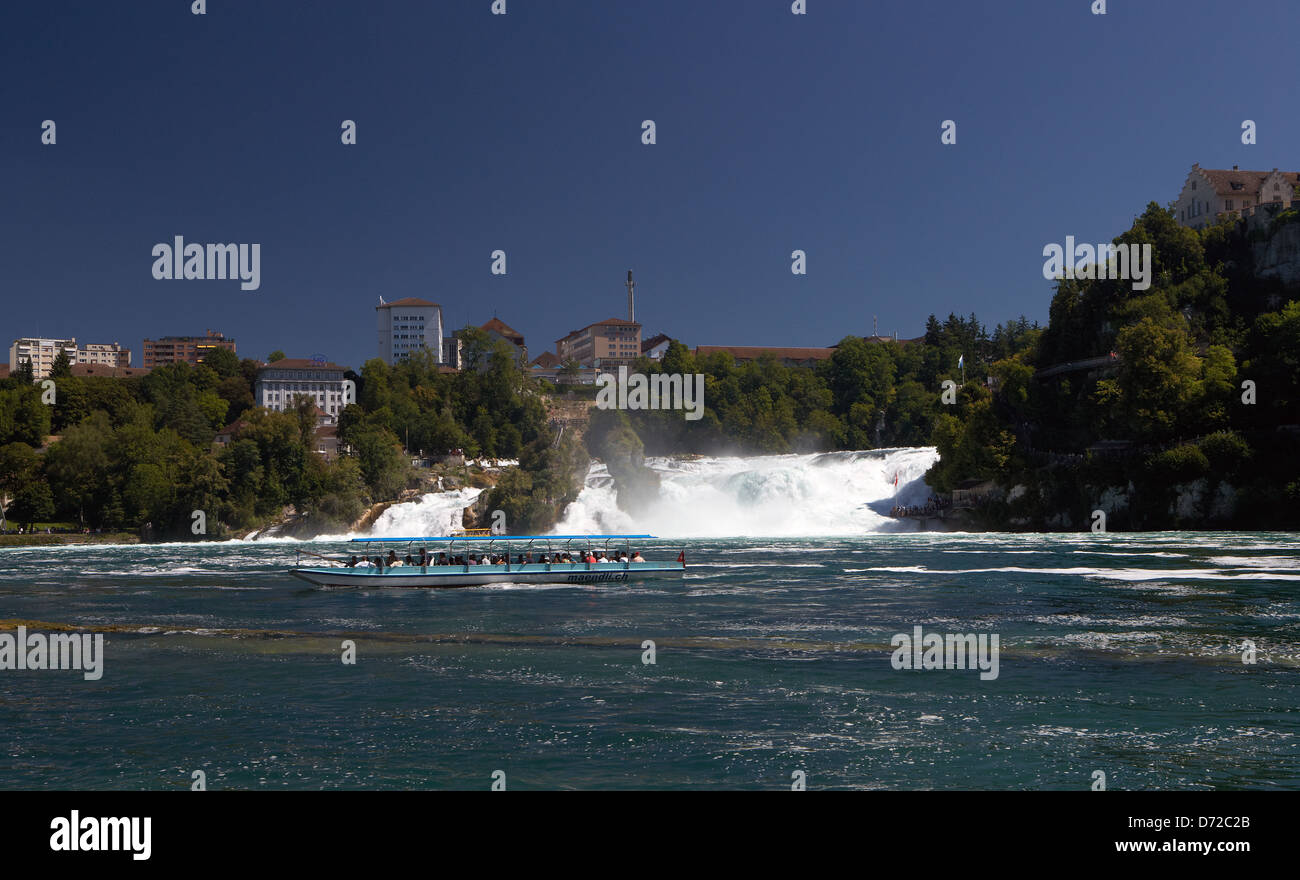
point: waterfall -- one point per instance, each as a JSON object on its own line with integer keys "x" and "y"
{"x": 834, "y": 493}
{"x": 837, "y": 493}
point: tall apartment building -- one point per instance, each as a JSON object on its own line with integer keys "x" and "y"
{"x": 279, "y": 383}
{"x": 41, "y": 353}
{"x": 1209, "y": 193}
{"x": 191, "y": 349}
{"x": 611, "y": 343}
{"x": 407, "y": 325}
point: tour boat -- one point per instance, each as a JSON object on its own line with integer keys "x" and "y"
{"x": 343, "y": 574}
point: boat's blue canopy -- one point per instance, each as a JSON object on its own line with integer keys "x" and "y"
{"x": 498, "y": 538}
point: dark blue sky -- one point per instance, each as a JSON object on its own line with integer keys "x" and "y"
{"x": 523, "y": 132}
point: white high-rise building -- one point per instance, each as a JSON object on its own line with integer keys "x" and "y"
{"x": 408, "y": 325}
{"x": 41, "y": 352}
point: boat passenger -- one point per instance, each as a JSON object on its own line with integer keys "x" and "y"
{"x": 409, "y": 560}
{"x": 442, "y": 558}
{"x": 622, "y": 557}
{"x": 602, "y": 558}
{"x": 636, "y": 557}
{"x": 392, "y": 559}
{"x": 543, "y": 559}
{"x": 521, "y": 561}
{"x": 591, "y": 560}
{"x": 353, "y": 563}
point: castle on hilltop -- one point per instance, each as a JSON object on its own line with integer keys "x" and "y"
{"x": 1210, "y": 193}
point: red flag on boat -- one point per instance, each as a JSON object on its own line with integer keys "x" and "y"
{"x": 681, "y": 557}
{"x": 895, "y": 479}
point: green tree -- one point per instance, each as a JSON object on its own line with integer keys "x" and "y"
{"x": 223, "y": 361}
{"x": 62, "y": 366}
{"x": 34, "y": 503}
{"x": 78, "y": 467}
{"x": 19, "y": 464}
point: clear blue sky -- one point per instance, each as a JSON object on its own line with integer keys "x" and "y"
{"x": 523, "y": 132}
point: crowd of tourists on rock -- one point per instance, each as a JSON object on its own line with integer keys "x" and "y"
{"x": 933, "y": 505}
{"x": 425, "y": 559}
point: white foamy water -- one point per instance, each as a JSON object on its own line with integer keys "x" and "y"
{"x": 777, "y": 496}
{"x": 838, "y": 493}
{"x": 437, "y": 513}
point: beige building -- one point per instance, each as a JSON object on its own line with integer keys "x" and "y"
{"x": 41, "y": 353}
{"x": 103, "y": 354}
{"x": 611, "y": 343}
{"x": 1209, "y": 193}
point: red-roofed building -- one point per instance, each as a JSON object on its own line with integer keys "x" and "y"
{"x": 655, "y": 347}
{"x": 498, "y": 329}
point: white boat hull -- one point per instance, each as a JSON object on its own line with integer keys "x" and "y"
{"x": 454, "y": 576}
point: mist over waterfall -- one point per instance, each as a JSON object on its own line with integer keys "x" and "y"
{"x": 836, "y": 493}
{"x": 773, "y": 496}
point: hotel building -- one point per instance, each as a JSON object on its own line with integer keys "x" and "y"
{"x": 279, "y": 383}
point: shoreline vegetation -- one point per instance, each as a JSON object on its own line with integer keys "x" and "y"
{"x": 1173, "y": 407}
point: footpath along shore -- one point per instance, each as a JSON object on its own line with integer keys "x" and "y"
{"x": 41, "y": 539}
